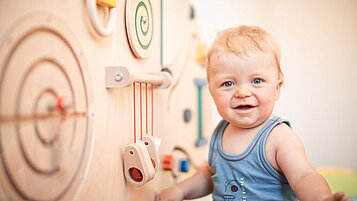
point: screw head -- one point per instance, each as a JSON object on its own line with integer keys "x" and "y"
{"x": 144, "y": 19}
{"x": 119, "y": 77}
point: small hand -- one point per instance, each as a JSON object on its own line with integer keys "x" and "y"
{"x": 339, "y": 196}
{"x": 171, "y": 194}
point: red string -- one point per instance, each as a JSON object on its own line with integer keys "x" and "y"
{"x": 141, "y": 115}
{"x": 152, "y": 109}
{"x": 146, "y": 108}
{"x": 134, "y": 113}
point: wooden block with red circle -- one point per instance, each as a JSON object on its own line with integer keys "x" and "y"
{"x": 152, "y": 144}
{"x": 138, "y": 168}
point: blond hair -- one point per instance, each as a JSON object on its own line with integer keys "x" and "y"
{"x": 244, "y": 39}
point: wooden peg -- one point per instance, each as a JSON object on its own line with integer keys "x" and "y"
{"x": 119, "y": 76}
{"x": 107, "y": 3}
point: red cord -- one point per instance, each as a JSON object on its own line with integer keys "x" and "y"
{"x": 141, "y": 110}
{"x": 141, "y": 115}
{"x": 146, "y": 108}
{"x": 152, "y": 109}
{"x": 134, "y": 113}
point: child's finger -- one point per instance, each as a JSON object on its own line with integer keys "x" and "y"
{"x": 157, "y": 196}
{"x": 340, "y": 196}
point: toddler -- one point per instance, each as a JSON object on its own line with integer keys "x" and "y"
{"x": 253, "y": 155}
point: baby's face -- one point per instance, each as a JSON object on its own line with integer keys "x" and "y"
{"x": 244, "y": 90}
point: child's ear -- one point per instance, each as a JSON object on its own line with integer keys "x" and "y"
{"x": 277, "y": 91}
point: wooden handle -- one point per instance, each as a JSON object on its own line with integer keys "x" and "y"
{"x": 118, "y": 76}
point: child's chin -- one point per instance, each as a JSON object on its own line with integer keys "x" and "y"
{"x": 247, "y": 123}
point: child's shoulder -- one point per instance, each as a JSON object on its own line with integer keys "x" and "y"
{"x": 281, "y": 142}
{"x": 282, "y": 134}
{"x": 282, "y": 128}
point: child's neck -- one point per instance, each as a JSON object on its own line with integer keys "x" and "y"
{"x": 247, "y": 131}
{"x": 236, "y": 140}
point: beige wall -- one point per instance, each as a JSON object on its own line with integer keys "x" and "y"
{"x": 319, "y": 56}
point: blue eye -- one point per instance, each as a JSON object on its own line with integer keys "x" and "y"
{"x": 228, "y": 84}
{"x": 257, "y": 81}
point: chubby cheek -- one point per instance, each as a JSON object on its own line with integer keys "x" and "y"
{"x": 267, "y": 102}
{"x": 222, "y": 104}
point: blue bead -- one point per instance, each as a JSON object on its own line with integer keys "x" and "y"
{"x": 184, "y": 165}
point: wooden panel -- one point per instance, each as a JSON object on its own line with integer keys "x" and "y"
{"x": 48, "y": 121}
{"x": 175, "y": 30}
{"x": 62, "y": 133}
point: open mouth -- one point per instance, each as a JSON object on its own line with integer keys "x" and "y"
{"x": 245, "y": 107}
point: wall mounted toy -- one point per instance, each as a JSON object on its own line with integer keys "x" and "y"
{"x": 177, "y": 162}
{"x": 141, "y": 158}
{"x": 139, "y": 26}
{"x": 119, "y": 76}
{"x": 199, "y": 82}
{"x": 93, "y": 16}
{"x": 78, "y": 81}
{"x": 152, "y": 144}
{"x": 46, "y": 129}
{"x": 108, "y": 3}
{"x": 138, "y": 168}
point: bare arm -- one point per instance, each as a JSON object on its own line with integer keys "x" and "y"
{"x": 199, "y": 185}
{"x": 305, "y": 181}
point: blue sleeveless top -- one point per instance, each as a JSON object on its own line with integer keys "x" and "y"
{"x": 247, "y": 176}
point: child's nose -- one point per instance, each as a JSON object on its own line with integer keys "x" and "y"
{"x": 242, "y": 92}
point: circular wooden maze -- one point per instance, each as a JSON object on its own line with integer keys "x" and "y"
{"x": 46, "y": 121}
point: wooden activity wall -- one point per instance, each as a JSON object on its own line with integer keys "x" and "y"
{"x": 65, "y": 119}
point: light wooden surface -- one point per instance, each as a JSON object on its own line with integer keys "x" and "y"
{"x": 76, "y": 153}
